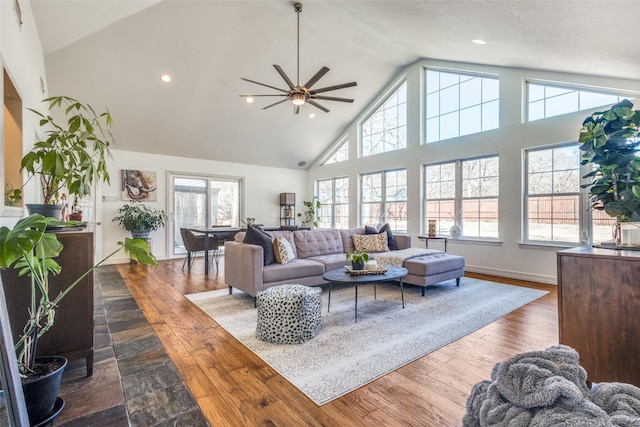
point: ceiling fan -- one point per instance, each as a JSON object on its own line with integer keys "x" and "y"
{"x": 299, "y": 95}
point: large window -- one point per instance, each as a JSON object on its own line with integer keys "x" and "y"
{"x": 548, "y": 100}
{"x": 386, "y": 129}
{"x": 463, "y": 192}
{"x": 333, "y": 195}
{"x": 384, "y": 199}
{"x": 553, "y": 200}
{"x": 460, "y": 104}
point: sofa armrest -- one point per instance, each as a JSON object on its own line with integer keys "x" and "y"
{"x": 243, "y": 267}
{"x": 402, "y": 240}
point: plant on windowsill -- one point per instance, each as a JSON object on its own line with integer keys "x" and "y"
{"x": 32, "y": 252}
{"x": 610, "y": 143}
{"x": 140, "y": 219}
{"x": 74, "y": 153}
{"x": 312, "y": 215}
{"x": 358, "y": 259}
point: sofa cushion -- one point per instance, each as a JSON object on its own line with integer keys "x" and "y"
{"x": 330, "y": 261}
{"x": 282, "y": 250}
{"x": 391, "y": 242}
{"x": 254, "y": 236}
{"x": 293, "y": 270}
{"x": 317, "y": 242}
{"x": 437, "y": 263}
{"x": 371, "y": 242}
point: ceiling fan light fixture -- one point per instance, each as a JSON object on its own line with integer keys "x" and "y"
{"x": 248, "y": 99}
{"x": 297, "y": 99}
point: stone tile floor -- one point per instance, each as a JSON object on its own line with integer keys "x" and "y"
{"x": 134, "y": 381}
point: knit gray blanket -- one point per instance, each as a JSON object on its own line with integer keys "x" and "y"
{"x": 549, "y": 388}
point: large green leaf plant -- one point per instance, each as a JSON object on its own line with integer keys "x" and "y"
{"x": 31, "y": 251}
{"x": 610, "y": 142}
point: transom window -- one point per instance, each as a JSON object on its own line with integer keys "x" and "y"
{"x": 548, "y": 101}
{"x": 333, "y": 195}
{"x": 386, "y": 129}
{"x": 340, "y": 155}
{"x": 384, "y": 199}
{"x": 460, "y": 104}
{"x": 463, "y": 192}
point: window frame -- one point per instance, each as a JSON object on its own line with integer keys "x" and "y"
{"x": 342, "y": 143}
{"x": 459, "y": 198}
{"x": 481, "y": 104}
{"x": 379, "y": 107}
{"x": 333, "y": 204}
{"x": 383, "y": 198}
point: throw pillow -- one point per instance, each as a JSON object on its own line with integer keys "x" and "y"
{"x": 254, "y": 236}
{"x": 391, "y": 242}
{"x": 282, "y": 250}
{"x": 370, "y": 242}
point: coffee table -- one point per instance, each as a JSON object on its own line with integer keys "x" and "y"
{"x": 341, "y": 275}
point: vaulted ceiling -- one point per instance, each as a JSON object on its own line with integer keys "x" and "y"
{"x": 112, "y": 53}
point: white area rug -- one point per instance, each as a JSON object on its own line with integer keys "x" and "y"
{"x": 347, "y": 355}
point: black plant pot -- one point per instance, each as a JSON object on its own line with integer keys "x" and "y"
{"x": 40, "y": 394}
{"x": 357, "y": 265}
{"x": 53, "y": 211}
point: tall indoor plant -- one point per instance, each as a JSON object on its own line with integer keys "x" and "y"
{"x": 312, "y": 215}
{"x": 140, "y": 219}
{"x": 610, "y": 143}
{"x": 74, "y": 151}
{"x": 31, "y": 251}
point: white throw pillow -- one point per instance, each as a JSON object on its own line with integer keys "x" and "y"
{"x": 282, "y": 250}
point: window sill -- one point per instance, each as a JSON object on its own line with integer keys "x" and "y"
{"x": 471, "y": 241}
{"x": 547, "y": 246}
{"x": 12, "y": 211}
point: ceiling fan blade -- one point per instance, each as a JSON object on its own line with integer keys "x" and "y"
{"x": 284, "y": 76}
{"x": 262, "y": 84}
{"x": 314, "y": 79}
{"x": 296, "y": 109}
{"x": 315, "y": 104}
{"x": 331, "y": 98}
{"x": 328, "y": 88}
{"x": 275, "y": 103}
{"x": 253, "y": 96}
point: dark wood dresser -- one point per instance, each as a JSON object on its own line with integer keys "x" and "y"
{"x": 599, "y": 311}
{"x": 72, "y": 334}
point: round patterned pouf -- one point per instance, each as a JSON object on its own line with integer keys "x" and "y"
{"x": 289, "y": 314}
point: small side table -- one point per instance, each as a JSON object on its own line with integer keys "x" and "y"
{"x": 427, "y": 238}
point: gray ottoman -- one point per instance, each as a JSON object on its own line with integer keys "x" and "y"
{"x": 434, "y": 268}
{"x": 289, "y": 314}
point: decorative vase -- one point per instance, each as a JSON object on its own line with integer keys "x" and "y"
{"x": 75, "y": 216}
{"x": 140, "y": 234}
{"x": 432, "y": 228}
{"x": 455, "y": 231}
{"x": 41, "y": 394}
{"x": 53, "y": 211}
{"x": 357, "y": 265}
{"x": 627, "y": 234}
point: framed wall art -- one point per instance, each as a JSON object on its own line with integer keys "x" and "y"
{"x": 138, "y": 185}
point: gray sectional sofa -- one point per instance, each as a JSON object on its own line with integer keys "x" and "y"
{"x": 318, "y": 251}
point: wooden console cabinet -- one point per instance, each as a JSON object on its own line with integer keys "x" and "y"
{"x": 598, "y": 306}
{"x": 72, "y": 334}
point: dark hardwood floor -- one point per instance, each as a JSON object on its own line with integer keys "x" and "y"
{"x": 233, "y": 387}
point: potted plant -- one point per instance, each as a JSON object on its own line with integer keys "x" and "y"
{"x": 610, "y": 142}
{"x": 140, "y": 219}
{"x": 312, "y": 214}
{"x": 11, "y": 195}
{"x": 73, "y": 154}
{"x": 31, "y": 251}
{"x": 358, "y": 259}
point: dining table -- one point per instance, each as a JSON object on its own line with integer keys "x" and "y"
{"x": 220, "y": 232}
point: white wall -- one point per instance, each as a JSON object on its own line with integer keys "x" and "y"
{"x": 262, "y": 188}
{"x": 508, "y": 257}
{"x": 22, "y": 58}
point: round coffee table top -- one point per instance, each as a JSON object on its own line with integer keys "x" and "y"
{"x": 341, "y": 275}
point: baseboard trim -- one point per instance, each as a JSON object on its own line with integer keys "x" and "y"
{"x": 531, "y": 277}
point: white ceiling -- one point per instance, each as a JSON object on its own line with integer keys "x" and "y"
{"x": 111, "y": 53}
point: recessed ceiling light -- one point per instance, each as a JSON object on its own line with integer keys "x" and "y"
{"x": 165, "y": 78}
{"x": 248, "y": 100}
{"x": 478, "y": 41}
{"x": 312, "y": 115}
